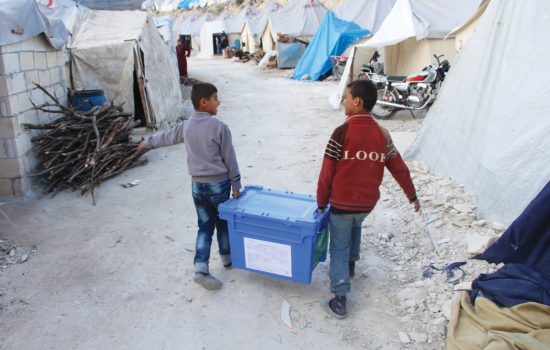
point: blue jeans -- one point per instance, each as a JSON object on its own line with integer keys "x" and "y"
{"x": 345, "y": 245}
{"x": 207, "y": 197}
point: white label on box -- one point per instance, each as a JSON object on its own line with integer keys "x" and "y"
{"x": 268, "y": 256}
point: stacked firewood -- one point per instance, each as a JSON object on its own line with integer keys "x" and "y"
{"x": 79, "y": 150}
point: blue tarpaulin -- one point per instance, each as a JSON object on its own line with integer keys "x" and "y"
{"x": 332, "y": 38}
{"x": 525, "y": 249}
{"x": 527, "y": 240}
{"x": 185, "y": 4}
{"x": 513, "y": 284}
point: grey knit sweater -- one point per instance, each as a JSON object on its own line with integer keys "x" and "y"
{"x": 210, "y": 154}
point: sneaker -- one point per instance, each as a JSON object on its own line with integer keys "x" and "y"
{"x": 228, "y": 265}
{"x": 351, "y": 268}
{"x": 207, "y": 281}
{"x": 336, "y": 307}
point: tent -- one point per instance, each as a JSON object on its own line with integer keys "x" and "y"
{"x": 489, "y": 126}
{"x": 123, "y": 54}
{"x": 408, "y": 38}
{"x": 191, "y": 26}
{"x": 255, "y": 25}
{"x": 463, "y": 32}
{"x": 301, "y": 18}
{"x": 208, "y": 30}
{"x": 340, "y": 28}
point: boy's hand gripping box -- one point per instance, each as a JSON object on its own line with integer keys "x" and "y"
{"x": 276, "y": 233}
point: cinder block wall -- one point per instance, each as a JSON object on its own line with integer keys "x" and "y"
{"x": 21, "y": 64}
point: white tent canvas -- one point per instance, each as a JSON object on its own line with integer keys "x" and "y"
{"x": 207, "y": 36}
{"x": 489, "y": 127}
{"x": 408, "y": 38}
{"x": 115, "y": 51}
{"x": 300, "y": 18}
{"x": 367, "y": 14}
{"x": 255, "y": 26}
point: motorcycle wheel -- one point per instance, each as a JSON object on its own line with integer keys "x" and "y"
{"x": 381, "y": 112}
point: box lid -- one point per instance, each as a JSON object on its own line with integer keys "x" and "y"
{"x": 281, "y": 205}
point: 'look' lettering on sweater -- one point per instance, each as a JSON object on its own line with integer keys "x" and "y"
{"x": 364, "y": 155}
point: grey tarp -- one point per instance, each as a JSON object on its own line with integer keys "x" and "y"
{"x": 21, "y": 20}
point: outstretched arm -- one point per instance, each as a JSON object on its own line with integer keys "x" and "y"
{"x": 169, "y": 137}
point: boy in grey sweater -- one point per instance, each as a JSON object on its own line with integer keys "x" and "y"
{"x": 214, "y": 172}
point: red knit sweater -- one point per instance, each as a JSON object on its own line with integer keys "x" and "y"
{"x": 353, "y": 166}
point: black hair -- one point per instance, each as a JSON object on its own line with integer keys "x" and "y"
{"x": 365, "y": 90}
{"x": 201, "y": 90}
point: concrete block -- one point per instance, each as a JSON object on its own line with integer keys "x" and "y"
{"x": 40, "y": 60}
{"x": 15, "y": 47}
{"x": 8, "y": 149}
{"x": 12, "y": 105}
{"x": 28, "y": 117}
{"x": 23, "y": 186}
{"x": 27, "y": 45}
{"x": 12, "y": 167}
{"x": 38, "y": 97}
{"x": 31, "y": 77}
{"x": 51, "y": 57}
{"x": 16, "y": 83}
{"x": 62, "y": 58}
{"x": 6, "y": 187}
{"x": 44, "y": 78}
{"x": 55, "y": 75}
{"x": 24, "y": 102}
{"x": 4, "y": 86}
{"x": 26, "y": 60}
{"x": 10, "y": 63}
{"x": 41, "y": 44}
{"x": 24, "y": 144}
{"x": 8, "y": 127}
{"x": 30, "y": 162}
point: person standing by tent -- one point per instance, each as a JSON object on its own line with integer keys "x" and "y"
{"x": 225, "y": 41}
{"x": 214, "y": 171}
{"x": 350, "y": 178}
{"x": 182, "y": 52}
{"x": 217, "y": 43}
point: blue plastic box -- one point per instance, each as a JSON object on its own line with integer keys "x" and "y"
{"x": 276, "y": 233}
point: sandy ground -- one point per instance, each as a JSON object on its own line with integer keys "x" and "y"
{"x": 118, "y": 275}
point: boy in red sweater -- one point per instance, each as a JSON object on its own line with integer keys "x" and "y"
{"x": 350, "y": 178}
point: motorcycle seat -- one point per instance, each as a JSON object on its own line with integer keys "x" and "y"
{"x": 396, "y": 78}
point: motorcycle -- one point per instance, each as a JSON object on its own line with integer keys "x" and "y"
{"x": 413, "y": 92}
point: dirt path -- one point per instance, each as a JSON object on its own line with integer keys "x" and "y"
{"x": 119, "y": 275}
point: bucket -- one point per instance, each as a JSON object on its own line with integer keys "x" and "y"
{"x": 84, "y": 100}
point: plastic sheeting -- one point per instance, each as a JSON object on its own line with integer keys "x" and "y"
{"x": 22, "y": 20}
{"x": 489, "y": 126}
{"x": 367, "y": 14}
{"x": 68, "y": 11}
{"x": 104, "y": 57}
{"x": 289, "y": 54}
{"x": 299, "y": 18}
{"x": 422, "y": 19}
{"x": 333, "y": 37}
{"x": 527, "y": 240}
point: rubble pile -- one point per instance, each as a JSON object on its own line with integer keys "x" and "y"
{"x": 422, "y": 288}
